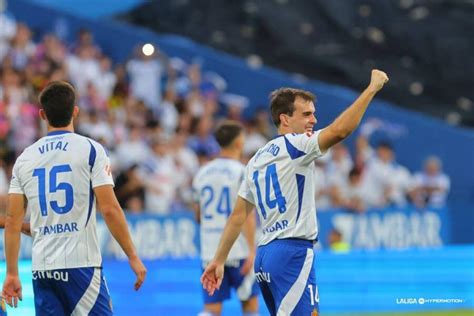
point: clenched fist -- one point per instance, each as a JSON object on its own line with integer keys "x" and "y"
{"x": 378, "y": 79}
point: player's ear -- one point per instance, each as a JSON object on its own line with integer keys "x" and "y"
{"x": 75, "y": 112}
{"x": 42, "y": 114}
{"x": 284, "y": 119}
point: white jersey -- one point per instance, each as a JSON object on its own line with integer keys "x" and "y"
{"x": 215, "y": 187}
{"x": 279, "y": 181}
{"x": 57, "y": 175}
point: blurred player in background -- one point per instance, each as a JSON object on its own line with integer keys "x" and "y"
{"x": 279, "y": 180}
{"x": 58, "y": 179}
{"x": 216, "y": 185}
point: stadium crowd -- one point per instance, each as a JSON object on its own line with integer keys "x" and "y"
{"x": 155, "y": 116}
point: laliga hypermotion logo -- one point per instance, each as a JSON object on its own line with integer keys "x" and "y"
{"x": 314, "y": 313}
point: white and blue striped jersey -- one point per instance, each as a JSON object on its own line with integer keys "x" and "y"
{"x": 215, "y": 188}
{"x": 57, "y": 175}
{"x": 279, "y": 181}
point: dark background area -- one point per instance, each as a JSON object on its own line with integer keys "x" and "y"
{"x": 425, "y": 46}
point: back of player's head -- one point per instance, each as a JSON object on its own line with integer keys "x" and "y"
{"x": 227, "y": 132}
{"x": 57, "y": 100}
{"x": 282, "y": 101}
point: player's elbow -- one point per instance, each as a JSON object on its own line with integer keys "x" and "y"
{"x": 109, "y": 211}
{"x": 340, "y": 132}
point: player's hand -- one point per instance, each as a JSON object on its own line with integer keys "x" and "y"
{"x": 378, "y": 79}
{"x": 140, "y": 271}
{"x": 211, "y": 278}
{"x": 12, "y": 290}
{"x": 248, "y": 264}
{"x": 25, "y": 229}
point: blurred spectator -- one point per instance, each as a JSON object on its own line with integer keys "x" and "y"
{"x": 337, "y": 243}
{"x": 83, "y": 68}
{"x": 22, "y": 47}
{"x": 133, "y": 150}
{"x": 130, "y": 190}
{"x": 203, "y": 142}
{"x": 390, "y": 182}
{"x": 430, "y": 186}
{"x": 159, "y": 174}
{"x": 106, "y": 80}
{"x": 145, "y": 74}
{"x": 169, "y": 116}
{"x": 254, "y": 140}
{"x": 187, "y": 164}
{"x": 322, "y": 188}
{"x": 355, "y": 194}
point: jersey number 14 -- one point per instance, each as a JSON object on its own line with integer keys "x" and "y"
{"x": 271, "y": 183}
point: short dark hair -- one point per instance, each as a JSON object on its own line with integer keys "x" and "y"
{"x": 57, "y": 100}
{"x": 282, "y": 101}
{"x": 227, "y": 132}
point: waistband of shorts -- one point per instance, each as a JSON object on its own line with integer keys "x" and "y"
{"x": 296, "y": 242}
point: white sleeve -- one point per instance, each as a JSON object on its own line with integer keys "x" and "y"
{"x": 15, "y": 184}
{"x": 101, "y": 173}
{"x": 245, "y": 192}
{"x": 303, "y": 147}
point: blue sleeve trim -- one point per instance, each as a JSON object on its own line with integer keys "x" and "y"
{"x": 293, "y": 151}
{"x": 92, "y": 155}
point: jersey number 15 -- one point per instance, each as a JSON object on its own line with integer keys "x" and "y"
{"x": 54, "y": 187}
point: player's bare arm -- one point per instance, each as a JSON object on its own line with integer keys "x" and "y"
{"x": 13, "y": 224}
{"x": 348, "y": 121}
{"x": 249, "y": 233}
{"x": 197, "y": 212}
{"x": 212, "y": 277}
{"x": 115, "y": 220}
{"x": 25, "y": 226}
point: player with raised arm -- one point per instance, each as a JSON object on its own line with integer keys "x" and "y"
{"x": 279, "y": 181}
{"x": 59, "y": 179}
{"x": 216, "y": 186}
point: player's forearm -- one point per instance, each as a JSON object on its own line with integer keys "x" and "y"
{"x": 12, "y": 244}
{"x": 348, "y": 120}
{"x": 249, "y": 231}
{"x": 117, "y": 224}
{"x": 231, "y": 232}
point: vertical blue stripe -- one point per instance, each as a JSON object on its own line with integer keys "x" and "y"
{"x": 92, "y": 156}
{"x": 300, "y": 183}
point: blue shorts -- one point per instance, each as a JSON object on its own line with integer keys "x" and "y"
{"x": 284, "y": 271}
{"x": 245, "y": 285}
{"x": 78, "y": 291}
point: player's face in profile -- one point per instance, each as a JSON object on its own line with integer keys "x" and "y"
{"x": 303, "y": 119}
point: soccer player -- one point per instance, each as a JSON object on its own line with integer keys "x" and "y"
{"x": 215, "y": 186}
{"x": 279, "y": 182}
{"x": 59, "y": 179}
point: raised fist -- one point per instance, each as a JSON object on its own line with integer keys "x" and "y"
{"x": 378, "y": 79}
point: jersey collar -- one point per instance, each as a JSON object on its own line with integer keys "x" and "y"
{"x": 57, "y": 132}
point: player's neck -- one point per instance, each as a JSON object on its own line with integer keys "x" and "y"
{"x": 69, "y": 128}
{"x": 229, "y": 154}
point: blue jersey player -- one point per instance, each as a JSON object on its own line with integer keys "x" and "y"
{"x": 216, "y": 185}
{"x": 58, "y": 180}
{"x": 279, "y": 181}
